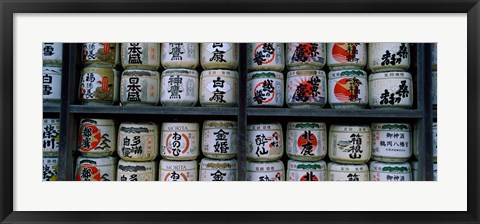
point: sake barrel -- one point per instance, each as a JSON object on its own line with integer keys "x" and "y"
{"x": 349, "y": 144}
{"x": 50, "y": 137}
{"x": 180, "y": 55}
{"x": 178, "y": 170}
{"x": 140, "y": 87}
{"x": 380, "y": 171}
{"x": 306, "y": 141}
{"x": 52, "y": 84}
{"x": 265, "y": 57}
{"x": 219, "y": 55}
{"x": 138, "y": 141}
{"x": 265, "y": 171}
{"x": 103, "y": 55}
{"x": 383, "y": 57}
{"x": 180, "y": 140}
{"x": 305, "y": 56}
{"x": 265, "y": 89}
{"x": 218, "y": 88}
{"x": 347, "y": 172}
{"x": 264, "y": 142}
{"x": 99, "y": 86}
{"x": 97, "y": 137}
{"x": 140, "y": 56}
{"x": 50, "y": 169}
{"x": 306, "y": 171}
{"x": 179, "y": 87}
{"x": 96, "y": 169}
{"x": 52, "y": 54}
{"x": 220, "y": 139}
{"x": 390, "y": 90}
{"x": 218, "y": 170}
{"x": 342, "y": 56}
{"x": 347, "y": 89}
{"x": 136, "y": 171}
{"x": 306, "y": 89}
{"x": 391, "y": 142}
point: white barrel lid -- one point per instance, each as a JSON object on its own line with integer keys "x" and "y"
{"x": 391, "y": 126}
{"x": 347, "y": 73}
{"x": 96, "y": 121}
{"x": 349, "y": 128}
{"x": 299, "y": 165}
{"x": 178, "y": 165}
{"x": 306, "y": 72}
{"x": 216, "y": 72}
{"x": 190, "y": 126}
{"x": 138, "y": 126}
{"x": 180, "y": 71}
{"x": 274, "y": 126}
{"x": 347, "y": 167}
{"x": 307, "y": 125}
{"x": 210, "y": 164}
{"x": 393, "y": 75}
{"x": 131, "y": 166}
{"x": 219, "y": 124}
{"x": 97, "y": 161}
{"x": 265, "y": 74}
{"x": 376, "y": 166}
{"x": 140, "y": 72}
{"x": 264, "y": 166}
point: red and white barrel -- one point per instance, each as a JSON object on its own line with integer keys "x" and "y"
{"x": 178, "y": 170}
{"x": 306, "y": 171}
{"x": 306, "y": 89}
{"x": 265, "y": 89}
{"x": 348, "y": 89}
{"x": 96, "y": 169}
{"x": 306, "y": 141}
{"x": 342, "y": 56}
{"x": 180, "y": 141}
{"x": 265, "y": 57}
{"x": 97, "y": 137}
{"x": 305, "y": 56}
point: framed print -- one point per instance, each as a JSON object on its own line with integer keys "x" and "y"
{"x": 225, "y": 94}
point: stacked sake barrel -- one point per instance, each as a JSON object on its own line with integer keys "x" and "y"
{"x": 97, "y": 142}
{"x": 140, "y": 80}
{"x": 390, "y": 87}
{"x": 219, "y": 88}
{"x": 52, "y": 86}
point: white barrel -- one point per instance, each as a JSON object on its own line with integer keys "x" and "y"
{"x": 306, "y": 171}
{"x": 50, "y": 169}
{"x": 306, "y": 89}
{"x": 218, "y": 88}
{"x": 265, "y": 89}
{"x": 52, "y": 84}
{"x": 349, "y": 144}
{"x": 390, "y": 90}
{"x": 218, "y": 170}
{"x": 97, "y": 137}
{"x": 99, "y": 86}
{"x": 178, "y": 170}
{"x": 220, "y": 139}
{"x": 380, "y": 171}
{"x": 265, "y": 57}
{"x": 180, "y": 55}
{"x": 383, "y": 57}
{"x": 341, "y": 56}
{"x": 434, "y": 56}
{"x": 264, "y": 142}
{"x": 219, "y": 55}
{"x": 140, "y": 56}
{"x": 52, "y": 54}
{"x": 265, "y": 171}
{"x": 306, "y": 141}
{"x": 180, "y": 141}
{"x": 96, "y": 169}
{"x": 140, "y": 87}
{"x": 50, "y": 137}
{"x": 434, "y": 89}
{"x": 136, "y": 171}
{"x": 391, "y": 142}
{"x": 305, "y": 56}
{"x": 348, "y": 89}
{"x": 103, "y": 55}
{"x": 347, "y": 172}
{"x": 138, "y": 141}
{"x": 179, "y": 87}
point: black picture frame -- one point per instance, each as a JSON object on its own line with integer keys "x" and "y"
{"x": 9, "y": 8}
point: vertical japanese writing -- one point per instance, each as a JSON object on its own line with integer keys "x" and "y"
{"x": 135, "y": 53}
{"x": 49, "y": 137}
{"x": 132, "y": 146}
{"x": 267, "y": 90}
{"x": 217, "y": 94}
{"x": 48, "y": 173}
{"x": 48, "y": 49}
{"x": 86, "y": 173}
{"x": 396, "y": 58}
{"x": 353, "y": 177}
{"x": 218, "y": 176}
{"x": 260, "y": 141}
{"x": 176, "y": 50}
{"x": 89, "y": 53}
{"x": 307, "y": 90}
{"x": 133, "y": 89}
{"x": 221, "y": 144}
{"x": 395, "y": 98}
{"x": 176, "y": 143}
{"x": 218, "y": 53}
{"x": 395, "y": 178}
{"x": 47, "y": 81}
{"x": 353, "y": 88}
{"x": 355, "y": 148}
{"x": 264, "y": 55}
{"x": 352, "y": 52}
{"x": 88, "y": 85}
{"x": 175, "y": 87}
{"x": 307, "y": 147}
{"x": 175, "y": 176}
